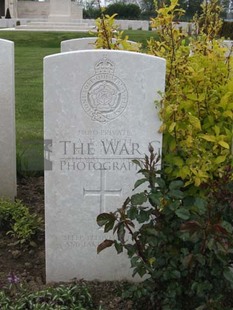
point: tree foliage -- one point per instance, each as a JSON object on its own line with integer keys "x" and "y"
{"x": 196, "y": 110}
{"x": 123, "y": 10}
{"x": 191, "y": 7}
{"x": 109, "y": 36}
{"x": 182, "y": 242}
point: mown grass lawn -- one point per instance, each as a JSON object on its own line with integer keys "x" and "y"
{"x": 30, "y": 49}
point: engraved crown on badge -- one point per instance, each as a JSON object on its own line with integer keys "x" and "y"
{"x": 104, "y": 96}
{"x": 104, "y": 66}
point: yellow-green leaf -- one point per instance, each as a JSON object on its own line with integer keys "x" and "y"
{"x": 220, "y": 159}
{"x": 228, "y": 114}
{"x": 217, "y": 130}
{"x": 178, "y": 161}
{"x": 197, "y": 181}
{"x": 195, "y": 122}
{"x": 172, "y": 145}
{"x": 184, "y": 172}
{"x": 208, "y": 138}
{"x": 172, "y": 126}
{"x": 224, "y": 144}
{"x": 151, "y": 261}
{"x": 162, "y": 128}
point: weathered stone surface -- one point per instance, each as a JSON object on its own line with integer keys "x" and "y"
{"x": 229, "y": 45}
{"x": 7, "y": 121}
{"x": 82, "y": 44}
{"x": 60, "y": 10}
{"x": 99, "y": 114}
{"x": 78, "y": 44}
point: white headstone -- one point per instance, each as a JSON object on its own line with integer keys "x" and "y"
{"x": 99, "y": 115}
{"x": 60, "y": 10}
{"x": 229, "y": 45}
{"x": 7, "y": 121}
{"x": 83, "y": 44}
{"x": 78, "y": 44}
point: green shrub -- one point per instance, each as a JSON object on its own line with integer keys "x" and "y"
{"x": 197, "y": 108}
{"x": 17, "y": 221}
{"x": 180, "y": 240}
{"x": 109, "y": 36}
{"x": 72, "y": 297}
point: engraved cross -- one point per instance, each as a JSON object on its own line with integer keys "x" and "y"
{"x": 102, "y": 192}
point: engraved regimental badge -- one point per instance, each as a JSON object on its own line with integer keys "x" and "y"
{"x": 104, "y": 96}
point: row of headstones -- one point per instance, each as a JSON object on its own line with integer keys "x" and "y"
{"x": 7, "y": 109}
{"x": 99, "y": 114}
{"x": 97, "y": 118}
{"x": 126, "y": 24}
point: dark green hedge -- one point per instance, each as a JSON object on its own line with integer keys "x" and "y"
{"x": 227, "y": 30}
{"x": 124, "y": 11}
{"x": 91, "y": 13}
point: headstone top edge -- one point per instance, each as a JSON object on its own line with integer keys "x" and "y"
{"x": 79, "y": 39}
{"x": 7, "y": 41}
{"x": 101, "y": 51}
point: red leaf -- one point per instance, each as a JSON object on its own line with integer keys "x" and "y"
{"x": 105, "y": 244}
{"x": 220, "y": 229}
{"x": 191, "y": 226}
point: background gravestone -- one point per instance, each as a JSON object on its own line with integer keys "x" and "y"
{"x": 229, "y": 45}
{"x": 99, "y": 114}
{"x": 78, "y": 44}
{"x": 82, "y": 44}
{"x": 7, "y": 121}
